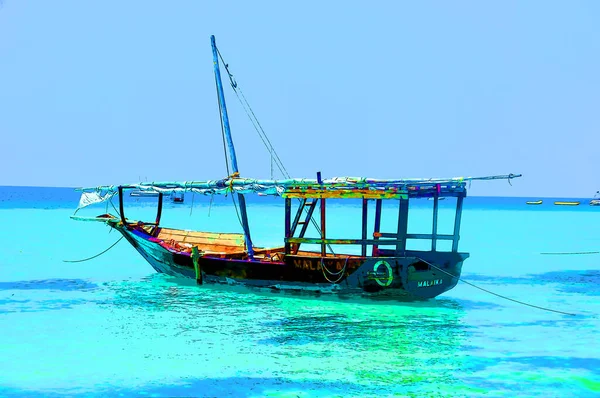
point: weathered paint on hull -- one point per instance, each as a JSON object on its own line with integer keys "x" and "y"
{"x": 407, "y": 278}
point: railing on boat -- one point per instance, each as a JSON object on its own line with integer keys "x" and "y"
{"x": 398, "y": 239}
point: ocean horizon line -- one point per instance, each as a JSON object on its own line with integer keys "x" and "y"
{"x": 536, "y": 197}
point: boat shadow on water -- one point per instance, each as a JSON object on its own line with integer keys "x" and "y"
{"x": 242, "y": 293}
{"x": 50, "y": 284}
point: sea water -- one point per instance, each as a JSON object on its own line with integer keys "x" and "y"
{"x": 111, "y": 326}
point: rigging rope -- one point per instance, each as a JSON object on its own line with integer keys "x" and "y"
{"x": 222, "y": 130}
{"x": 113, "y": 205}
{"x": 499, "y": 295}
{"x": 237, "y": 212}
{"x": 262, "y": 134}
{"x": 253, "y": 119}
{"x": 97, "y": 255}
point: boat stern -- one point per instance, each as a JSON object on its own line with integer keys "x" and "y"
{"x": 419, "y": 275}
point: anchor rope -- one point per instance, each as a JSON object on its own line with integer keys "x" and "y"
{"x": 499, "y": 295}
{"x": 97, "y": 255}
{"x": 569, "y": 253}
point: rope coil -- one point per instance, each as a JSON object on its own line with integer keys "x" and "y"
{"x": 340, "y": 273}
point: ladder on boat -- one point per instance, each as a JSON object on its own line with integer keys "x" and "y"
{"x": 309, "y": 207}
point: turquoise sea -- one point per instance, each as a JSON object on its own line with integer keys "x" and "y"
{"x": 111, "y": 326}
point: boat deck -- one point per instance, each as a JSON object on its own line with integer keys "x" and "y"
{"x": 222, "y": 244}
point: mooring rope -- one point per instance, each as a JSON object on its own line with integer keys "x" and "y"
{"x": 97, "y": 255}
{"x": 499, "y": 295}
{"x": 569, "y": 253}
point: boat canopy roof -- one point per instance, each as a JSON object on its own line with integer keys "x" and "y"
{"x": 338, "y": 187}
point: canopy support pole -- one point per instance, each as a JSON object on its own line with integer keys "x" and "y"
{"x": 377, "y": 226}
{"x": 457, "y": 217}
{"x": 288, "y": 216}
{"x": 402, "y": 227}
{"x": 323, "y": 245}
{"x": 365, "y": 212}
{"x": 121, "y": 207}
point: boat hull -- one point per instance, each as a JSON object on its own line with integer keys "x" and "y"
{"x": 536, "y": 202}
{"x": 415, "y": 276}
{"x": 563, "y": 203}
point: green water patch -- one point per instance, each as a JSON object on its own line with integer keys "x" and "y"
{"x": 216, "y": 387}
{"x": 49, "y": 284}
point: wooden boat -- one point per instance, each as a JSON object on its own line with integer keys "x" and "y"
{"x": 385, "y": 266}
{"x": 177, "y": 197}
{"x": 596, "y": 200}
{"x": 567, "y": 203}
{"x": 536, "y": 202}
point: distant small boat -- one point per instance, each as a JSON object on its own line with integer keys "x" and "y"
{"x": 536, "y": 202}
{"x": 596, "y": 200}
{"x": 559, "y": 203}
{"x": 177, "y": 197}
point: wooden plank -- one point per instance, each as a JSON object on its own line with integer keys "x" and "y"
{"x": 203, "y": 238}
{"x": 318, "y": 241}
{"x": 344, "y": 194}
{"x": 416, "y": 236}
{"x": 100, "y": 219}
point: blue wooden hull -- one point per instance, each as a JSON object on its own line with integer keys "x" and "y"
{"x": 415, "y": 276}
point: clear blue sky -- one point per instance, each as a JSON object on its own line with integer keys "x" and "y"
{"x": 109, "y": 92}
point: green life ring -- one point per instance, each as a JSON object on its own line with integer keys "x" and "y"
{"x": 385, "y": 282}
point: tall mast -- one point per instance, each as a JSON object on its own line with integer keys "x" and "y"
{"x": 231, "y": 149}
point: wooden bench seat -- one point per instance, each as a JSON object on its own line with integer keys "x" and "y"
{"x": 209, "y": 242}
